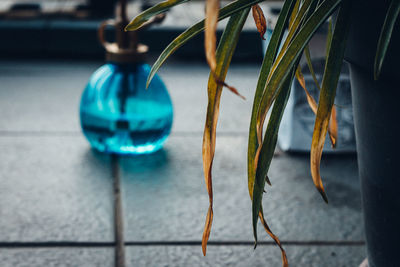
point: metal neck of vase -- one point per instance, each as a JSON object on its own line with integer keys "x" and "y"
{"x": 126, "y": 48}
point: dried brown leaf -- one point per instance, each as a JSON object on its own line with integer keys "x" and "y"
{"x": 210, "y": 39}
{"x": 310, "y": 99}
{"x": 208, "y": 157}
{"x": 207, "y": 230}
{"x": 224, "y": 54}
{"x": 332, "y": 129}
{"x": 259, "y": 20}
{"x": 275, "y": 238}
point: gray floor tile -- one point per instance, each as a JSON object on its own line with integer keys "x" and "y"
{"x": 266, "y": 256}
{"x": 54, "y": 189}
{"x": 165, "y": 197}
{"x": 60, "y": 257}
{"x": 45, "y": 96}
{"x": 42, "y": 96}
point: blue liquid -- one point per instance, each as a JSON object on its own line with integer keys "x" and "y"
{"x": 118, "y": 115}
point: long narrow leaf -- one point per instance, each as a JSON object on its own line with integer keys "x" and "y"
{"x": 294, "y": 27}
{"x": 333, "y": 125}
{"x": 265, "y": 158}
{"x": 289, "y": 58}
{"x": 143, "y": 17}
{"x": 270, "y": 54}
{"x": 294, "y": 13}
{"x": 224, "y": 54}
{"x": 329, "y": 37}
{"x": 385, "y": 36}
{"x": 310, "y": 66}
{"x": 310, "y": 99}
{"x": 191, "y": 32}
{"x": 327, "y": 96}
{"x": 332, "y": 129}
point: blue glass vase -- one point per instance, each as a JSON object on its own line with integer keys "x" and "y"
{"x": 118, "y": 115}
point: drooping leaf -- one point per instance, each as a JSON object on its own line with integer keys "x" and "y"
{"x": 224, "y": 54}
{"x": 264, "y": 160}
{"x": 210, "y": 39}
{"x": 259, "y": 20}
{"x": 297, "y": 19}
{"x": 294, "y": 13}
{"x": 332, "y": 129}
{"x": 290, "y": 56}
{"x": 143, "y": 17}
{"x": 332, "y": 71}
{"x": 310, "y": 67}
{"x": 270, "y": 55}
{"x": 310, "y": 99}
{"x": 197, "y": 28}
{"x": 285, "y": 262}
{"x": 294, "y": 27}
{"x": 385, "y": 36}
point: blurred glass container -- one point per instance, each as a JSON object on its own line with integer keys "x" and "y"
{"x": 118, "y": 114}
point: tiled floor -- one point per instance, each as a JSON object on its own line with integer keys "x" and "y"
{"x": 57, "y": 196}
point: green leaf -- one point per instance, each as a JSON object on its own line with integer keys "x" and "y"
{"x": 224, "y": 54}
{"x": 327, "y": 95}
{"x": 280, "y": 72}
{"x": 294, "y": 13}
{"x": 197, "y": 28}
{"x": 282, "y": 67}
{"x": 329, "y": 37}
{"x": 270, "y": 54}
{"x": 269, "y": 142}
{"x": 143, "y": 17}
{"x": 266, "y": 155}
{"x": 385, "y": 36}
{"x": 332, "y": 130}
{"x": 310, "y": 67}
{"x": 294, "y": 27}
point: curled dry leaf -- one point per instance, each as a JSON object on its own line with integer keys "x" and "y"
{"x": 210, "y": 39}
{"x": 259, "y": 19}
{"x": 330, "y": 80}
{"x": 332, "y": 129}
{"x": 275, "y": 238}
{"x": 224, "y": 54}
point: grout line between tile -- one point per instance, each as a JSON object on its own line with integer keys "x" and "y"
{"x": 118, "y": 219}
{"x": 78, "y": 244}
{"x": 246, "y": 243}
{"x": 56, "y": 244}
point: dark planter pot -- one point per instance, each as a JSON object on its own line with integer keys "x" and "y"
{"x": 376, "y": 108}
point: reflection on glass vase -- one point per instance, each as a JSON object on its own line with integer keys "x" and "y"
{"x": 119, "y": 115}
